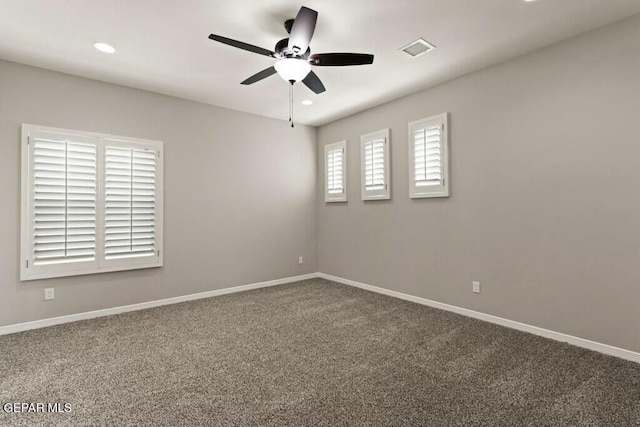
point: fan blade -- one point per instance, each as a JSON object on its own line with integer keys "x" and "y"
{"x": 259, "y": 76}
{"x": 303, "y": 27}
{"x": 312, "y": 81}
{"x": 241, "y": 45}
{"x": 340, "y": 59}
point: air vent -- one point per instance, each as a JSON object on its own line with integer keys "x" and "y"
{"x": 417, "y": 48}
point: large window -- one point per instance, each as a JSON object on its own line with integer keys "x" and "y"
{"x": 428, "y": 158}
{"x": 90, "y": 203}
{"x": 375, "y": 169}
{"x": 335, "y": 172}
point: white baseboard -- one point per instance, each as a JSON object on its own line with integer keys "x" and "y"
{"x": 20, "y": 327}
{"x": 558, "y": 336}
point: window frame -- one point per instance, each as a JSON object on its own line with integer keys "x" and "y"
{"x": 377, "y": 194}
{"x": 29, "y": 271}
{"x": 431, "y": 191}
{"x": 342, "y": 197}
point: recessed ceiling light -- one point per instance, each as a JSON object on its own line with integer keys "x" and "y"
{"x": 103, "y": 47}
{"x": 307, "y": 102}
{"x": 417, "y": 48}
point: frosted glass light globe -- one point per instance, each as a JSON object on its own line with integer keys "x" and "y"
{"x": 292, "y": 69}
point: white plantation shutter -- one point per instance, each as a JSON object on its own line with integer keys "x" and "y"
{"x": 90, "y": 203}
{"x": 130, "y": 202}
{"x": 375, "y": 165}
{"x": 335, "y": 172}
{"x": 64, "y": 200}
{"x": 428, "y": 157}
{"x": 374, "y": 161}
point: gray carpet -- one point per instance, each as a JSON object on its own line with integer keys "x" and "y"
{"x": 309, "y": 353}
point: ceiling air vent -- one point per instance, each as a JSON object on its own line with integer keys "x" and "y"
{"x": 417, "y": 48}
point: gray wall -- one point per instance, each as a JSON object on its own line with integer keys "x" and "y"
{"x": 545, "y": 205}
{"x": 239, "y": 192}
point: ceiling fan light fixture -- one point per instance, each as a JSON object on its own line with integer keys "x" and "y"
{"x": 292, "y": 69}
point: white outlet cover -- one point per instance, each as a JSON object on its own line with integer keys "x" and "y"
{"x": 300, "y": 260}
{"x": 476, "y": 287}
{"x": 49, "y": 294}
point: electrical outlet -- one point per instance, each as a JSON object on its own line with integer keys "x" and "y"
{"x": 475, "y": 287}
{"x": 49, "y": 294}
{"x": 300, "y": 260}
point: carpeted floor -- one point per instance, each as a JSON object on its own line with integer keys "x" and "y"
{"x": 309, "y": 353}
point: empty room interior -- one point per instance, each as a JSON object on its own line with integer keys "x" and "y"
{"x": 320, "y": 212}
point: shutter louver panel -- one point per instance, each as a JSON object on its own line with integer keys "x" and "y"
{"x": 130, "y": 202}
{"x": 64, "y": 201}
{"x": 335, "y": 181}
{"x": 428, "y": 156}
{"x": 335, "y": 170}
{"x": 374, "y": 164}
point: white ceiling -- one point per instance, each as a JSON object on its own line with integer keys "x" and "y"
{"x": 162, "y": 45}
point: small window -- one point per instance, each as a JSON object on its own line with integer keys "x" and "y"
{"x": 91, "y": 203}
{"x": 428, "y": 158}
{"x": 375, "y": 166}
{"x": 335, "y": 176}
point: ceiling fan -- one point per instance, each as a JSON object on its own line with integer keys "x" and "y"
{"x": 293, "y": 55}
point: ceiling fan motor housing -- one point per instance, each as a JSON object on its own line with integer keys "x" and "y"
{"x": 282, "y": 50}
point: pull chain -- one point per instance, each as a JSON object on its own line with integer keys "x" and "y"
{"x": 291, "y": 103}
